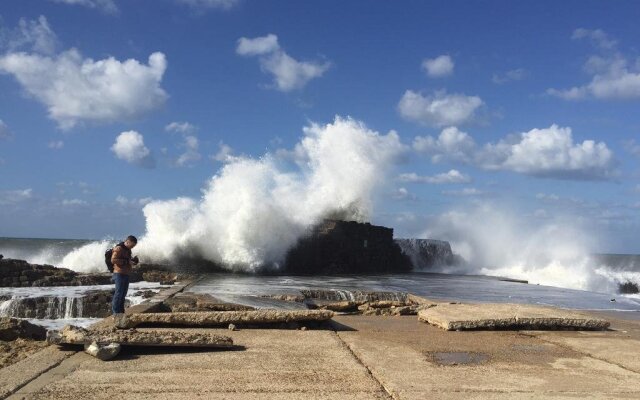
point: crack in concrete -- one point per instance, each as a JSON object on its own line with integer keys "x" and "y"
{"x": 12, "y": 393}
{"x": 388, "y": 392}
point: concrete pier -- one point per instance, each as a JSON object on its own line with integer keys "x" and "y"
{"x": 353, "y": 357}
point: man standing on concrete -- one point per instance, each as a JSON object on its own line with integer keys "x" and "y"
{"x": 122, "y": 265}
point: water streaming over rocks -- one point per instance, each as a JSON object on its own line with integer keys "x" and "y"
{"x": 54, "y": 307}
{"x": 95, "y": 305}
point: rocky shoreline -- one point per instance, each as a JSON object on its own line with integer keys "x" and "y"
{"x": 20, "y": 273}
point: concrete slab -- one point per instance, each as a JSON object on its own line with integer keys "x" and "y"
{"x": 276, "y": 364}
{"x": 152, "y": 304}
{"x": 132, "y": 337}
{"x": 221, "y": 318}
{"x": 399, "y": 352}
{"x": 507, "y": 316}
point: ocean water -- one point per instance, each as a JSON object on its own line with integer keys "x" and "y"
{"x": 608, "y": 271}
{"x": 243, "y": 289}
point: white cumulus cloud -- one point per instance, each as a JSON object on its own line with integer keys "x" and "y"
{"x": 257, "y": 46}
{"x": 135, "y": 202}
{"x": 509, "y": 76}
{"x": 129, "y": 146}
{"x": 191, "y": 154}
{"x": 438, "y": 67}
{"x": 75, "y": 89}
{"x": 56, "y": 144}
{"x": 106, "y": 6}
{"x": 599, "y": 37}
{"x": 403, "y": 194}
{"x": 548, "y": 152}
{"x": 35, "y": 34}
{"x": 15, "y": 196}
{"x": 203, "y": 5}
{"x": 453, "y": 176}
{"x": 288, "y": 73}
{"x": 180, "y": 127}
{"x": 613, "y": 75}
{"x": 439, "y": 109}
{"x": 225, "y": 154}
{"x": 5, "y": 132}
{"x": 631, "y": 146}
{"x": 190, "y": 144}
{"x": 74, "y": 202}
{"x": 466, "y": 192}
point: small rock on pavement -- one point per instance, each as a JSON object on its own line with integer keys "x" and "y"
{"x": 103, "y": 353}
{"x": 232, "y": 327}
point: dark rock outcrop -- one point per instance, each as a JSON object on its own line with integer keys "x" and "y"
{"x": 20, "y": 273}
{"x": 335, "y": 247}
{"x": 94, "y": 304}
{"x": 12, "y": 329}
{"x": 628, "y": 288}
{"x": 428, "y": 253}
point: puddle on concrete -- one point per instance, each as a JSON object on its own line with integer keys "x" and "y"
{"x": 457, "y": 358}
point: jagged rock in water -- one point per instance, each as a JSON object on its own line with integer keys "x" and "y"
{"x": 184, "y": 302}
{"x": 12, "y": 329}
{"x": 353, "y": 295}
{"x": 145, "y": 294}
{"x": 337, "y": 306}
{"x": 131, "y": 337}
{"x": 335, "y": 247}
{"x": 391, "y": 311}
{"x": 20, "y": 273}
{"x": 221, "y": 318}
{"x": 628, "y": 288}
{"x": 428, "y": 253}
{"x": 102, "y": 352}
{"x": 295, "y": 298}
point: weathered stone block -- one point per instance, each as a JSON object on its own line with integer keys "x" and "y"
{"x": 221, "y": 318}
{"x": 507, "y": 316}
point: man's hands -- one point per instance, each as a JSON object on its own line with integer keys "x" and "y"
{"x": 135, "y": 261}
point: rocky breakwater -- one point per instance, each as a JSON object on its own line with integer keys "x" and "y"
{"x": 19, "y": 273}
{"x": 426, "y": 254}
{"x": 38, "y": 291}
{"x": 335, "y": 247}
{"x": 358, "y": 302}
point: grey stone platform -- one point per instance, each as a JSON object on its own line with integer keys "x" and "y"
{"x": 508, "y": 316}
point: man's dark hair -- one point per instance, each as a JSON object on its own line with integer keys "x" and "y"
{"x": 132, "y": 239}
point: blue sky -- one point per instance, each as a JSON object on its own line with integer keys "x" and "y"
{"x": 530, "y": 106}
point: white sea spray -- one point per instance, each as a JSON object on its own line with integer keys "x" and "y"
{"x": 496, "y": 241}
{"x": 253, "y": 210}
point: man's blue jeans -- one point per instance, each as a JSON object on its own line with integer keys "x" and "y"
{"x": 122, "y": 285}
